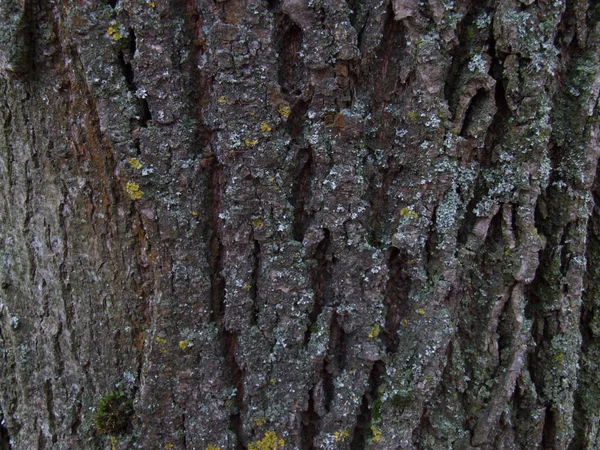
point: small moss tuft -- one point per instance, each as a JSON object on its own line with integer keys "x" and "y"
{"x": 113, "y": 414}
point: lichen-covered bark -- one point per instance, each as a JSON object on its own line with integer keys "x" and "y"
{"x": 303, "y": 224}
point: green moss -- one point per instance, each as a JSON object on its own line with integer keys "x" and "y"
{"x": 113, "y": 414}
{"x": 401, "y": 401}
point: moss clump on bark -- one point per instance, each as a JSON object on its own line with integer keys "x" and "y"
{"x": 113, "y": 415}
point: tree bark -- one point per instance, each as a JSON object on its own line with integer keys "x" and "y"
{"x": 299, "y": 224}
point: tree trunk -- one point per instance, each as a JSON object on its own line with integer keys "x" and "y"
{"x": 299, "y": 224}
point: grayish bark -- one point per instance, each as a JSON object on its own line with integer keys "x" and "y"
{"x": 299, "y": 224}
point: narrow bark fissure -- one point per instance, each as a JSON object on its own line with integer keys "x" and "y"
{"x": 362, "y": 429}
{"x": 475, "y": 105}
{"x": 335, "y": 360}
{"x": 378, "y": 196}
{"x": 5, "y": 440}
{"x": 124, "y": 58}
{"x": 237, "y": 374}
{"x": 549, "y": 433}
{"x": 328, "y": 387}
{"x": 297, "y": 116}
{"x": 358, "y": 17}
{"x": 183, "y": 432}
{"x": 217, "y": 300}
{"x": 60, "y": 361}
{"x": 273, "y": 5}
{"x": 310, "y": 423}
{"x": 292, "y": 73}
{"x": 468, "y": 37}
{"x": 587, "y": 395}
{"x": 76, "y": 413}
{"x": 127, "y": 70}
{"x": 256, "y": 261}
{"x": 215, "y": 246}
{"x": 50, "y": 410}
{"x": 386, "y": 66}
{"x": 301, "y": 192}
{"x": 321, "y": 282}
{"x": 396, "y": 296}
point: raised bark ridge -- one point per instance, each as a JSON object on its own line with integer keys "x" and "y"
{"x": 299, "y": 224}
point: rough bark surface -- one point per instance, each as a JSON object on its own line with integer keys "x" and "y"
{"x": 300, "y": 224}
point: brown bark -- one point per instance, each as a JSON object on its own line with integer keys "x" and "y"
{"x": 310, "y": 224}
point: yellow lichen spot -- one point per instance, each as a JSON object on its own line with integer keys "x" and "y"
{"x": 260, "y": 421}
{"x": 247, "y": 287}
{"x": 152, "y": 4}
{"x": 135, "y": 163}
{"x": 376, "y": 434}
{"x": 161, "y": 340}
{"x": 222, "y": 99}
{"x": 250, "y": 142}
{"x": 421, "y": 311}
{"x": 113, "y": 443}
{"x": 374, "y": 331}
{"x": 184, "y": 345}
{"x": 285, "y": 111}
{"x": 134, "y": 191}
{"x": 114, "y": 31}
{"x": 412, "y": 116}
{"x": 163, "y": 350}
{"x": 270, "y": 441}
{"x": 195, "y": 213}
{"x": 212, "y": 447}
{"x": 265, "y": 127}
{"x": 169, "y": 445}
{"x": 258, "y": 223}
{"x": 272, "y": 381}
{"x": 341, "y": 435}
{"x": 408, "y": 213}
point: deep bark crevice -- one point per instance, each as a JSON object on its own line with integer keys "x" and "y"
{"x": 237, "y": 374}
{"x": 468, "y": 37}
{"x": 50, "y": 410}
{"x": 215, "y": 253}
{"x": 256, "y": 261}
{"x": 362, "y": 429}
{"x": 390, "y": 56}
{"x": 335, "y": 360}
{"x": 321, "y": 282}
{"x": 293, "y": 73}
{"x": 475, "y": 105}
{"x": 5, "y": 440}
{"x": 301, "y": 192}
{"x": 396, "y": 296}
{"x": 310, "y": 423}
{"x": 379, "y": 197}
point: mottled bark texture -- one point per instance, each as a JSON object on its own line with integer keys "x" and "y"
{"x": 299, "y": 224}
